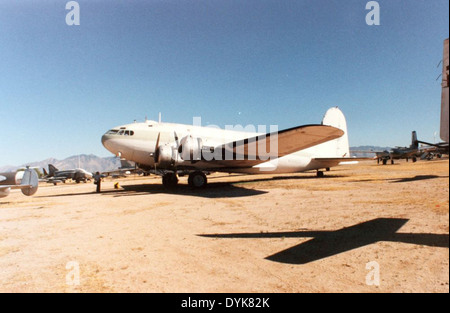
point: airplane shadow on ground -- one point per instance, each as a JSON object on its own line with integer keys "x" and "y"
{"x": 416, "y": 178}
{"x": 212, "y": 190}
{"x": 233, "y": 189}
{"x": 328, "y": 243}
{"x": 404, "y": 179}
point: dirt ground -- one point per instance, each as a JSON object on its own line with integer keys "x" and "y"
{"x": 362, "y": 228}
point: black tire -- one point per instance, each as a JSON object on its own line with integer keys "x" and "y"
{"x": 197, "y": 180}
{"x": 170, "y": 180}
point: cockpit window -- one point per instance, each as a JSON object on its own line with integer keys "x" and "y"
{"x": 120, "y": 132}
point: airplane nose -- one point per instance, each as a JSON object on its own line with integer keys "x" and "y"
{"x": 105, "y": 139}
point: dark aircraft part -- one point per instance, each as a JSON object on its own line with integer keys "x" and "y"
{"x": 197, "y": 179}
{"x": 170, "y": 180}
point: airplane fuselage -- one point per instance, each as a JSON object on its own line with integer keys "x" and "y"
{"x": 142, "y": 142}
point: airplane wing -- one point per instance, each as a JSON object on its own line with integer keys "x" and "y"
{"x": 246, "y": 152}
{"x": 331, "y": 162}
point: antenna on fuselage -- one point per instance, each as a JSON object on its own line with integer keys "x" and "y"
{"x": 159, "y": 117}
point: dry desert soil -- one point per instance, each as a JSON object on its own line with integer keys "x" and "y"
{"x": 361, "y": 228}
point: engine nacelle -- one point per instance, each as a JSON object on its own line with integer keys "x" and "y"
{"x": 190, "y": 149}
{"x": 165, "y": 156}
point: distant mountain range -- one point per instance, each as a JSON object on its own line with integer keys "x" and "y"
{"x": 90, "y": 163}
{"x": 363, "y": 151}
{"x": 93, "y": 163}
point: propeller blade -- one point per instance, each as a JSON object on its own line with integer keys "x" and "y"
{"x": 157, "y": 141}
{"x": 176, "y": 138}
{"x": 156, "y": 154}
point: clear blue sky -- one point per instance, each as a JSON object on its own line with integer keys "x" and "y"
{"x": 244, "y": 62}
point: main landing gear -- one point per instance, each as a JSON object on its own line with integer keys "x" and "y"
{"x": 320, "y": 173}
{"x": 196, "y": 180}
{"x": 170, "y": 180}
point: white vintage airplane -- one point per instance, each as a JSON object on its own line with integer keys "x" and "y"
{"x": 26, "y": 180}
{"x": 165, "y": 148}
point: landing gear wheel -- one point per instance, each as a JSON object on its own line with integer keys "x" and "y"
{"x": 170, "y": 180}
{"x": 320, "y": 174}
{"x": 197, "y": 180}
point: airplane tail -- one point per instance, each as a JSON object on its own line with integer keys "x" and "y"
{"x": 338, "y": 148}
{"x": 52, "y": 170}
{"x": 30, "y": 179}
{"x": 414, "y": 142}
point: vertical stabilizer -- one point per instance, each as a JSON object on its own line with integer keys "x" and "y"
{"x": 31, "y": 180}
{"x": 52, "y": 170}
{"x": 338, "y": 148}
{"x": 414, "y": 142}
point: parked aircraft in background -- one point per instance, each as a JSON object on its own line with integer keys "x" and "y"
{"x": 165, "y": 149}
{"x": 433, "y": 150}
{"x": 56, "y": 176}
{"x": 26, "y": 180}
{"x": 411, "y": 152}
{"x": 126, "y": 168}
{"x": 437, "y": 149}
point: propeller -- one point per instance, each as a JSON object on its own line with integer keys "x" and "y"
{"x": 156, "y": 153}
{"x": 176, "y": 139}
{"x": 157, "y": 146}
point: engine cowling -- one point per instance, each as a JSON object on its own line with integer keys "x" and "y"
{"x": 190, "y": 148}
{"x": 165, "y": 156}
